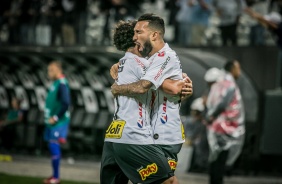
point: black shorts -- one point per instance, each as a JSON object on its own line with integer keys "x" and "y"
{"x": 138, "y": 163}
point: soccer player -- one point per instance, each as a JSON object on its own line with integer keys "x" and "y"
{"x": 166, "y": 125}
{"x": 129, "y": 150}
{"x": 57, "y": 117}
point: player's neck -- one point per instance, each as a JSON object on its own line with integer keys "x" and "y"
{"x": 133, "y": 51}
{"x": 158, "y": 45}
{"x": 59, "y": 76}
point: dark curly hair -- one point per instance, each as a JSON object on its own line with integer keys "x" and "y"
{"x": 123, "y": 35}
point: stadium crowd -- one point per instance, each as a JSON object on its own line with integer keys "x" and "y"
{"x": 90, "y": 22}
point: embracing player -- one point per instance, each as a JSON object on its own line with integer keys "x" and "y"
{"x": 129, "y": 150}
{"x": 166, "y": 125}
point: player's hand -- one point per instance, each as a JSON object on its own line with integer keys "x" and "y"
{"x": 113, "y": 89}
{"x": 114, "y": 71}
{"x": 184, "y": 75}
{"x": 52, "y": 121}
{"x": 187, "y": 89}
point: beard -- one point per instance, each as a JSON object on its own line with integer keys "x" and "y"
{"x": 146, "y": 49}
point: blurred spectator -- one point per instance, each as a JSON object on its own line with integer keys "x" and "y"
{"x": 105, "y": 6}
{"x": 172, "y": 7}
{"x": 81, "y": 13}
{"x": 28, "y": 19}
{"x": 257, "y": 31}
{"x": 69, "y": 36}
{"x": 114, "y": 11}
{"x": 56, "y": 15}
{"x": 196, "y": 135}
{"x": 228, "y": 12}
{"x": 225, "y": 116}
{"x": 200, "y": 20}
{"x": 43, "y": 29}
{"x": 8, "y": 126}
{"x": 4, "y": 14}
{"x": 14, "y": 14}
{"x": 275, "y": 6}
{"x": 273, "y": 22}
{"x": 184, "y": 19}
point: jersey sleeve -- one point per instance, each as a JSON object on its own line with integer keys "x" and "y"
{"x": 163, "y": 68}
{"x": 64, "y": 98}
{"x": 131, "y": 69}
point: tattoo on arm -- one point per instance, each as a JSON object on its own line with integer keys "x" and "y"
{"x": 132, "y": 89}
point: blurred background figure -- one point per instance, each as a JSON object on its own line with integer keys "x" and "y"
{"x": 4, "y": 17}
{"x": 68, "y": 26}
{"x": 43, "y": 30}
{"x": 56, "y": 13}
{"x": 202, "y": 10}
{"x": 115, "y": 10}
{"x": 225, "y": 116}
{"x": 81, "y": 12}
{"x": 8, "y": 125}
{"x": 14, "y": 23}
{"x": 196, "y": 136}
{"x": 273, "y": 22}
{"x": 173, "y": 8}
{"x": 184, "y": 19}
{"x": 229, "y": 12}
{"x": 257, "y": 31}
{"x": 57, "y": 117}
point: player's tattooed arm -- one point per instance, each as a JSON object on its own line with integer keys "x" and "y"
{"x": 132, "y": 89}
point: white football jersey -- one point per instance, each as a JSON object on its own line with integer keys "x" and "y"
{"x": 165, "y": 118}
{"x": 134, "y": 111}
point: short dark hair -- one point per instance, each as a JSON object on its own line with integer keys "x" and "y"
{"x": 59, "y": 64}
{"x": 155, "y": 22}
{"x": 123, "y": 35}
{"x": 229, "y": 65}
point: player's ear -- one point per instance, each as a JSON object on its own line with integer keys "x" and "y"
{"x": 154, "y": 35}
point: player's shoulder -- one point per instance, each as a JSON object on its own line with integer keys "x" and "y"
{"x": 63, "y": 81}
{"x": 136, "y": 60}
{"x": 166, "y": 54}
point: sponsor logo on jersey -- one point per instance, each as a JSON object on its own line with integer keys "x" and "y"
{"x": 161, "y": 54}
{"x": 115, "y": 129}
{"x": 162, "y": 68}
{"x": 182, "y": 132}
{"x": 172, "y": 163}
{"x": 149, "y": 170}
{"x": 140, "y": 64}
{"x": 164, "y": 118}
{"x": 140, "y": 123}
{"x": 140, "y": 120}
{"x": 164, "y": 115}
